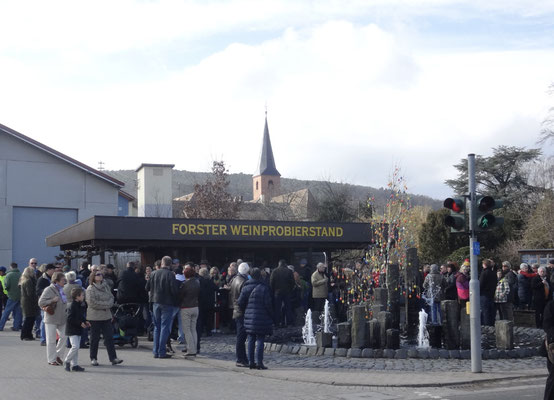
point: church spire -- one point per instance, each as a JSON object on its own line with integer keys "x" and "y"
{"x": 267, "y": 162}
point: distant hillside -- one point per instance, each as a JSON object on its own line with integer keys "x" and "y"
{"x": 241, "y": 185}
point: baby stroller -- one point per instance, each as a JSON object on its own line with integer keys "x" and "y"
{"x": 127, "y": 319}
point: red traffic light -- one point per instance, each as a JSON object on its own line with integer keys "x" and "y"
{"x": 455, "y": 205}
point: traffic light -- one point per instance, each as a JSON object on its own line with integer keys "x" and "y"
{"x": 485, "y": 220}
{"x": 457, "y": 219}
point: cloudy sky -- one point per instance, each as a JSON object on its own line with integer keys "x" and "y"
{"x": 352, "y": 88}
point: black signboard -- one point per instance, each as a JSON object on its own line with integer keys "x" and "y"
{"x": 177, "y": 229}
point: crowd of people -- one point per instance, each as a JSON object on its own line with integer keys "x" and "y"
{"x": 74, "y": 309}
{"x": 502, "y": 289}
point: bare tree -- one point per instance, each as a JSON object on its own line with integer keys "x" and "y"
{"x": 211, "y": 200}
{"x": 547, "y": 132}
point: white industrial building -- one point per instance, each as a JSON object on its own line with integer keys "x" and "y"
{"x": 43, "y": 191}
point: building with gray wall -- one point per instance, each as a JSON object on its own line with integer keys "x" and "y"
{"x": 43, "y": 191}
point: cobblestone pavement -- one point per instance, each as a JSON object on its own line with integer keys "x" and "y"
{"x": 222, "y": 347}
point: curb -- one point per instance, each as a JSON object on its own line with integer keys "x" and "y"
{"x": 414, "y": 353}
{"x": 267, "y": 374}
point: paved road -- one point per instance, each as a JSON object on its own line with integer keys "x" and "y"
{"x": 26, "y": 375}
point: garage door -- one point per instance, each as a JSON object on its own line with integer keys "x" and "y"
{"x": 30, "y": 228}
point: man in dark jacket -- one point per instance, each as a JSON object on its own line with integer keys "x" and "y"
{"x": 129, "y": 288}
{"x": 305, "y": 272}
{"x": 83, "y": 274}
{"x": 206, "y": 305}
{"x": 163, "y": 288}
{"x": 236, "y": 287}
{"x": 282, "y": 284}
{"x": 487, "y": 286}
{"x": 542, "y": 293}
{"x": 42, "y": 283}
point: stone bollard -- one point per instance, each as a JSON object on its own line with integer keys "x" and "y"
{"x": 435, "y": 335}
{"x": 393, "y": 285}
{"x": 393, "y": 339}
{"x": 374, "y": 334}
{"x": 465, "y": 330}
{"x": 344, "y": 335}
{"x": 385, "y": 322}
{"x": 450, "y": 324}
{"x": 381, "y": 296}
{"x": 504, "y": 335}
{"x": 359, "y": 327}
{"x": 324, "y": 339}
{"x": 411, "y": 278}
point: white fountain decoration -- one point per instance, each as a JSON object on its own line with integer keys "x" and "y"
{"x": 422, "y": 334}
{"x": 308, "y": 331}
{"x": 326, "y": 318}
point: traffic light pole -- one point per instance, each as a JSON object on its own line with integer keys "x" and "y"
{"x": 474, "y": 291}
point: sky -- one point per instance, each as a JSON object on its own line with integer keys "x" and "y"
{"x": 352, "y": 88}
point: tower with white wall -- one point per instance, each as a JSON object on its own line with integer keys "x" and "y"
{"x": 155, "y": 191}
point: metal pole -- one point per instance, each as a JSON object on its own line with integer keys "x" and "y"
{"x": 474, "y": 291}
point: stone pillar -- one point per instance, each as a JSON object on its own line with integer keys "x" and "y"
{"x": 385, "y": 322}
{"x": 380, "y": 296}
{"x": 465, "y": 330}
{"x": 435, "y": 335}
{"x": 374, "y": 334}
{"x": 393, "y": 289}
{"x": 359, "y": 327}
{"x": 324, "y": 339}
{"x": 344, "y": 334}
{"x": 393, "y": 339}
{"x": 450, "y": 324}
{"x": 412, "y": 278}
{"x": 504, "y": 335}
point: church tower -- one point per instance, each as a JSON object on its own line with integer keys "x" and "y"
{"x": 266, "y": 179}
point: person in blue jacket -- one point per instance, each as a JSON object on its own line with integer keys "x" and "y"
{"x": 255, "y": 301}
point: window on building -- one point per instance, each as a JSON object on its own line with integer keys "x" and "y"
{"x": 257, "y": 185}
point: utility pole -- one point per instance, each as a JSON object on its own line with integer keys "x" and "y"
{"x": 474, "y": 290}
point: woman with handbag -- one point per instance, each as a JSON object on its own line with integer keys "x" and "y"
{"x": 100, "y": 301}
{"x": 53, "y": 301}
{"x": 29, "y": 302}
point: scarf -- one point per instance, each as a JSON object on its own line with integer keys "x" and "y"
{"x": 62, "y": 293}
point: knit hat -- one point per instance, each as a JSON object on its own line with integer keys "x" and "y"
{"x": 244, "y": 268}
{"x": 466, "y": 263}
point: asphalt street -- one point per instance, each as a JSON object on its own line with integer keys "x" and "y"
{"x": 26, "y": 375}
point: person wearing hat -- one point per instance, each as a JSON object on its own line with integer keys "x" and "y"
{"x": 524, "y": 286}
{"x": 511, "y": 278}
{"x": 238, "y": 315}
{"x": 11, "y": 284}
